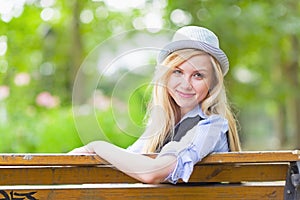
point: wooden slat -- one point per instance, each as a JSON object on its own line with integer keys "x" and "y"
{"x": 50, "y": 159}
{"x": 62, "y": 175}
{"x": 145, "y": 191}
{"x": 240, "y": 172}
{"x": 92, "y": 159}
{"x": 107, "y": 174}
{"x": 253, "y": 156}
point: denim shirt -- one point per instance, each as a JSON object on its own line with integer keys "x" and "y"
{"x": 209, "y": 135}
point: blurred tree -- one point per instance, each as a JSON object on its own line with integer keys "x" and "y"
{"x": 262, "y": 42}
{"x": 46, "y": 41}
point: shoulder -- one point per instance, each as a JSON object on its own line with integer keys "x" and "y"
{"x": 214, "y": 120}
{"x": 208, "y": 120}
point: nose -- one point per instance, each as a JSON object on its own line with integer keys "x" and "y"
{"x": 186, "y": 83}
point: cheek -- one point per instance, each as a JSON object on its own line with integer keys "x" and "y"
{"x": 202, "y": 89}
{"x": 172, "y": 83}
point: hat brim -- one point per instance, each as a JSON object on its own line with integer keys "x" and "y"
{"x": 192, "y": 44}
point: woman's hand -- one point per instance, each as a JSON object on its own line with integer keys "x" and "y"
{"x": 79, "y": 150}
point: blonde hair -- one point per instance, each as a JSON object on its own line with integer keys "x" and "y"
{"x": 163, "y": 112}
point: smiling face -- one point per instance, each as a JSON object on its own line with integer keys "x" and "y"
{"x": 189, "y": 82}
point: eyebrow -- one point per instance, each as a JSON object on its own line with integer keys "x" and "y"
{"x": 203, "y": 69}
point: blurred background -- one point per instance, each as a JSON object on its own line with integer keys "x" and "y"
{"x": 55, "y": 97}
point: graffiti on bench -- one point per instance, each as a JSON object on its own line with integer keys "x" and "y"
{"x": 16, "y": 195}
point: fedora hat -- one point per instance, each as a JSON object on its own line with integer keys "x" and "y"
{"x": 195, "y": 37}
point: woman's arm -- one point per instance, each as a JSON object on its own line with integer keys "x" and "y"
{"x": 138, "y": 166}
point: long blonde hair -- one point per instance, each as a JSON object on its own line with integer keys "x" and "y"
{"x": 163, "y": 112}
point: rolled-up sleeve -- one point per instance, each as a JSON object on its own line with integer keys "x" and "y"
{"x": 208, "y": 136}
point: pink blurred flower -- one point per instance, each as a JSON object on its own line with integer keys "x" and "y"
{"x": 22, "y": 79}
{"x": 100, "y": 101}
{"x": 4, "y": 92}
{"x": 45, "y": 99}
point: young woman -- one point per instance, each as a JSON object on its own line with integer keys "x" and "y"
{"x": 188, "y": 116}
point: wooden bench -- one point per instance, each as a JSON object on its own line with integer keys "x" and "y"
{"x": 245, "y": 175}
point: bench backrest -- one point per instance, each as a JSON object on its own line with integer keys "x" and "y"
{"x": 62, "y": 176}
{"x": 39, "y": 169}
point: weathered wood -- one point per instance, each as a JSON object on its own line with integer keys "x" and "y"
{"x": 146, "y": 191}
{"x": 253, "y": 157}
{"x": 107, "y": 174}
{"x": 242, "y": 175}
{"x": 50, "y": 159}
{"x": 239, "y": 172}
{"x": 62, "y": 175}
{"x": 92, "y": 159}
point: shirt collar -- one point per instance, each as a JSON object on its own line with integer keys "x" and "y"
{"x": 194, "y": 112}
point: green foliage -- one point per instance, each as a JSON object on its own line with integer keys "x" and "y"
{"x": 259, "y": 37}
{"x": 39, "y": 130}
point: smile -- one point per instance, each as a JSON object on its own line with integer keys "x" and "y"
{"x": 185, "y": 95}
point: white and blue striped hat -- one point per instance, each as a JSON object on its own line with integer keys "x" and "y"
{"x": 195, "y": 37}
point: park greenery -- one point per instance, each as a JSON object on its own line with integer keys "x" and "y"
{"x": 53, "y": 97}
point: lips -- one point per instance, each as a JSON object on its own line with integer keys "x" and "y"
{"x": 185, "y": 95}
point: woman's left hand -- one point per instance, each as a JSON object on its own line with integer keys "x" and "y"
{"x": 79, "y": 150}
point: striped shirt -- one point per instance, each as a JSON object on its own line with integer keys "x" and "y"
{"x": 207, "y": 136}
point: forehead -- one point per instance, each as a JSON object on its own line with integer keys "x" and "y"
{"x": 198, "y": 62}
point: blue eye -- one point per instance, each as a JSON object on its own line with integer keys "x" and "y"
{"x": 198, "y": 75}
{"x": 177, "y": 71}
